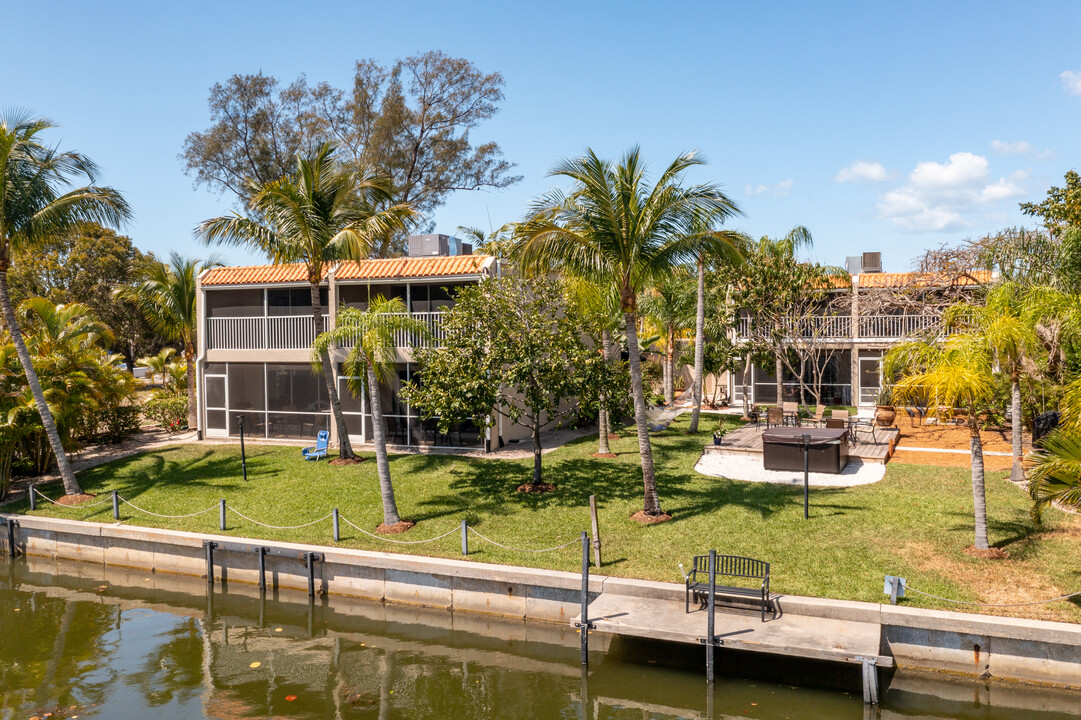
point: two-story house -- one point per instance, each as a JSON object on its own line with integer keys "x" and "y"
{"x": 256, "y": 332}
{"x": 867, "y": 315}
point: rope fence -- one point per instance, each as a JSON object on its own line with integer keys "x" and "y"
{"x": 222, "y": 507}
{"x": 909, "y": 588}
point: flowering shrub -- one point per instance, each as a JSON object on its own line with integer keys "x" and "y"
{"x": 169, "y": 412}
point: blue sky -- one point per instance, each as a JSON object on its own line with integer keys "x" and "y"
{"x": 892, "y": 127}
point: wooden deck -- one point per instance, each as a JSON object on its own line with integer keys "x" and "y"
{"x": 747, "y": 440}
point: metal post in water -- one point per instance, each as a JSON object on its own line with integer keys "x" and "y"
{"x": 337, "y": 527}
{"x": 33, "y": 499}
{"x": 465, "y": 538}
{"x": 584, "y": 625}
{"x": 116, "y": 505}
{"x": 222, "y": 513}
{"x": 310, "y": 559}
{"x": 209, "y": 545}
{"x": 12, "y": 551}
{"x": 262, "y": 570}
{"x": 806, "y": 442}
{"x": 712, "y": 604}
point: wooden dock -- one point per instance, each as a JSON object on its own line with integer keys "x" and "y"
{"x": 870, "y": 448}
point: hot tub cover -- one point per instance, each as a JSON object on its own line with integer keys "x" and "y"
{"x": 794, "y": 436}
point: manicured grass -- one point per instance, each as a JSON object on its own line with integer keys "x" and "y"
{"x": 915, "y": 523}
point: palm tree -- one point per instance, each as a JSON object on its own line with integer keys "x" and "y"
{"x": 669, "y": 307}
{"x": 1055, "y": 472}
{"x": 598, "y": 307}
{"x": 36, "y": 200}
{"x": 956, "y": 373}
{"x": 616, "y": 229}
{"x": 497, "y": 242}
{"x": 167, "y": 298}
{"x": 321, "y": 214}
{"x": 372, "y": 362}
{"x": 158, "y": 365}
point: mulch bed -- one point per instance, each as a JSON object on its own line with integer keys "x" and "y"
{"x": 988, "y": 554}
{"x": 604, "y": 456}
{"x": 346, "y": 461}
{"x": 643, "y": 519}
{"x": 536, "y": 488}
{"x": 398, "y": 527}
{"x": 74, "y": 499}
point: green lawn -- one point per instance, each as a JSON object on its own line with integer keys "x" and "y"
{"x": 915, "y": 523}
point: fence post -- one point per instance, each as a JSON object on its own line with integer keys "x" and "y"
{"x": 116, "y": 505}
{"x": 33, "y": 498}
{"x": 710, "y": 618}
{"x": 596, "y": 530}
{"x": 465, "y": 539}
{"x": 222, "y": 513}
{"x": 337, "y": 527}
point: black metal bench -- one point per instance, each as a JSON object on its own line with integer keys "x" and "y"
{"x": 728, "y": 566}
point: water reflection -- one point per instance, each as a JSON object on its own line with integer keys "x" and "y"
{"x": 78, "y": 639}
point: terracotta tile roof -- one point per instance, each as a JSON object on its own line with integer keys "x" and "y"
{"x": 413, "y": 267}
{"x": 258, "y": 275}
{"x": 911, "y": 279}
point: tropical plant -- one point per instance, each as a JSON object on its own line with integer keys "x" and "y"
{"x": 498, "y": 242}
{"x": 322, "y": 213}
{"x": 167, "y": 298}
{"x": 956, "y": 373}
{"x": 37, "y": 200}
{"x": 617, "y": 229}
{"x": 670, "y": 307}
{"x": 1055, "y": 473}
{"x": 158, "y": 365}
{"x": 371, "y": 363}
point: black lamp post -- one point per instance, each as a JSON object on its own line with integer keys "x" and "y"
{"x": 805, "y": 443}
{"x": 243, "y": 456}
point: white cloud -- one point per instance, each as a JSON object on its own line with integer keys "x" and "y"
{"x": 780, "y": 189}
{"x": 1019, "y": 147}
{"x": 941, "y": 197}
{"x": 862, "y": 171}
{"x": 1071, "y": 81}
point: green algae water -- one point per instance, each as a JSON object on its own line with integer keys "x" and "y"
{"x": 86, "y": 641}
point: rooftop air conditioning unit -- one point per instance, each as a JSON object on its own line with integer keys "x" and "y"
{"x": 872, "y": 262}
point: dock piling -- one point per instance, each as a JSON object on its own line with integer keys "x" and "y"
{"x": 583, "y": 626}
{"x": 870, "y": 680}
{"x": 116, "y": 505}
{"x": 262, "y": 569}
{"x": 710, "y": 627}
{"x": 465, "y": 538}
{"x": 337, "y": 527}
{"x": 33, "y": 497}
{"x": 209, "y": 546}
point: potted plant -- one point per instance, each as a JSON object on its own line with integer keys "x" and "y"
{"x": 719, "y": 433}
{"x": 885, "y": 413}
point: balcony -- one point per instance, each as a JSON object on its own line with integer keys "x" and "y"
{"x": 839, "y": 327}
{"x": 294, "y": 332}
{"x": 434, "y": 322}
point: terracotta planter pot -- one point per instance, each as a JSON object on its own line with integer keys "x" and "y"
{"x": 885, "y": 415}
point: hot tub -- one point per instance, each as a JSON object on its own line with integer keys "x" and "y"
{"x": 782, "y": 449}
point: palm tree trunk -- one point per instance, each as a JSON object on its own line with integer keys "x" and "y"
{"x": 979, "y": 498}
{"x": 778, "y": 369}
{"x": 1017, "y": 472}
{"x": 382, "y": 465}
{"x": 602, "y": 413}
{"x": 193, "y": 409}
{"x": 747, "y": 370}
{"x": 670, "y": 357}
{"x": 345, "y": 448}
{"x": 71, "y": 485}
{"x": 536, "y": 450}
{"x": 651, "y": 504}
{"x": 699, "y": 346}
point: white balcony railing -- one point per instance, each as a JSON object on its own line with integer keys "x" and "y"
{"x": 294, "y": 332}
{"x": 279, "y": 332}
{"x": 839, "y": 327}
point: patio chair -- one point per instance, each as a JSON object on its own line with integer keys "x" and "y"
{"x": 816, "y": 420}
{"x": 791, "y": 412}
{"x": 319, "y": 450}
{"x": 774, "y": 416}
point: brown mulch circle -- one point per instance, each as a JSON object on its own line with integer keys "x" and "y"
{"x": 398, "y": 527}
{"x": 537, "y": 488}
{"x": 74, "y": 499}
{"x": 613, "y": 436}
{"x": 988, "y": 554}
{"x": 641, "y": 518}
{"x": 605, "y": 456}
{"x": 346, "y": 461}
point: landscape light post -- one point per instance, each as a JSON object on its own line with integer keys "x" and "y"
{"x": 805, "y": 443}
{"x": 243, "y": 456}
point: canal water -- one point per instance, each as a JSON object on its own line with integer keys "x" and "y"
{"x": 86, "y": 641}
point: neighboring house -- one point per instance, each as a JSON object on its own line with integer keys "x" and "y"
{"x": 864, "y": 318}
{"x": 256, "y": 334}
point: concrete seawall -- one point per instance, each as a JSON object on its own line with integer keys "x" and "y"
{"x": 965, "y": 644}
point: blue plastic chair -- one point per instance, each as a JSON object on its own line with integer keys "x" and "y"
{"x": 319, "y": 451}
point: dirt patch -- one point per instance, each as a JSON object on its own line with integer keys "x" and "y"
{"x": 74, "y": 499}
{"x": 536, "y": 488}
{"x": 641, "y": 518}
{"x": 337, "y": 462}
{"x": 613, "y": 436}
{"x": 604, "y": 456}
{"x": 986, "y": 553}
{"x": 993, "y": 581}
{"x": 952, "y": 437}
{"x": 959, "y": 460}
{"x": 398, "y": 527}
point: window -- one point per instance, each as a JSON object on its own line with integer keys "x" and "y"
{"x": 295, "y": 388}
{"x": 293, "y": 301}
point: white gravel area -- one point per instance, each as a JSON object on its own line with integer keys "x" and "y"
{"x": 749, "y": 469}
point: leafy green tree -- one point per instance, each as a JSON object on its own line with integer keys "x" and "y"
{"x": 372, "y": 362}
{"x": 412, "y": 120}
{"x": 1062, "y": 208}
{"x": 167, "y": 298}
{"x": 323, "y": 212}
{"x": 37, "y": 200}
{"x": 618, "y": 229}
{"x": 956, "y": 373}
{"x": 512, "y": 347}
